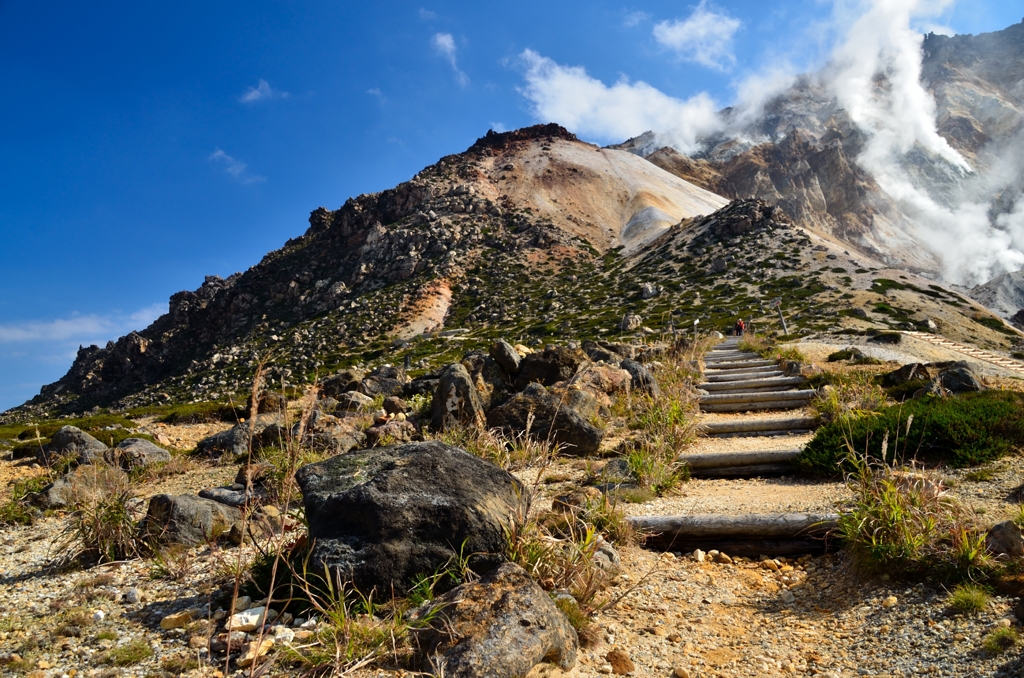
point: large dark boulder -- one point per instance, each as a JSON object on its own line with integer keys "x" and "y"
{"x": 960, "y": 377}
{"x": 500, "y": 627}
{"x": 642, "y": 379}
{"x": 73, "y": 442}
{"x": 548, "y": 367}
{"x": 456, "y": 400}
{"x": 908, "y": 373}
{"x": 184, "y": 519}
{"x": 547, "y": 418}
{"x": 490, "y": 379}
{"x": 386, "y": 386}
{"x": 135, "y": 452}
{"x": 380, "y": 517}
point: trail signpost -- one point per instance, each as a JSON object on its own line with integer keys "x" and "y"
{"x": 777, "y": 303}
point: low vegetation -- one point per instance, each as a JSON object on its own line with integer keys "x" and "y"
{"x": 768, "y": 348}
{"x": 969, "y": 598}
{"x": 966, "y": 430}
{"x": 902, "y": 523}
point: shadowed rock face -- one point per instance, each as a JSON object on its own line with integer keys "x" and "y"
{"x": 379, "y": 517}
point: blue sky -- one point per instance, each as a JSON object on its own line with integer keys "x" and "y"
{"x": 146, "y": 145}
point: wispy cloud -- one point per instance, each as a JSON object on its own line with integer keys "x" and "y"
{"x": 571, "y": 97}
{"x": 634, "y": 19}
{"x": 444, "y": 43}
{"x": 705, "y": 37}
{"x": 262, "y": 92}
{"x": 427, "y": 15}
{"x": 79, "y": 329}
{"x": 237, "y": 169}
{"x": 499, "y": 127}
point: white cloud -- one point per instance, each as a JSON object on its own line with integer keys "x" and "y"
{"x": 444, "y": 43}
{"x": 427, "y": 15}
{"x": 570, "y": 97}
{"x": 237, "y": 169}
{"x": 80, "y": 329}
{"x": 706, "y": 37}
{"x": 634, "y": 19}
{"x": 499, "y": 127}
{"x": 262, "y": 92}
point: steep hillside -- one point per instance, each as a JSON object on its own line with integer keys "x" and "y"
{"x": 388, "y": 267}
{"x": 806, "y": 153}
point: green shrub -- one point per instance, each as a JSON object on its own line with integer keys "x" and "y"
{"x": 192, "y": 413}
{"x": 964, "y": 430}
{"x": 16, "y": 510}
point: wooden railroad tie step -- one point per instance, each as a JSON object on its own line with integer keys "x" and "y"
{"x": 759, "y": 425}
{"x": 748, "y": 535}
{"x": 755, "y": 407}
{"x": 753, "y": 384}
{"x": 699, "y": 462}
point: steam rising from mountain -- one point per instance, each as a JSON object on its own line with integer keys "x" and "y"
{"x": 939, "y": 137}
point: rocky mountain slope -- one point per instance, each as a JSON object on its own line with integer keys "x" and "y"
{"x": 805, "y": 152}
{"x": 529, "y": 235}
{"x": 1004, "y": 294}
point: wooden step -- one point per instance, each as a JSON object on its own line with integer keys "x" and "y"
{"x": 742, "y": 368}
{"x": 734, "y": 459}
{"x": 738, "y": 472}
{"x": 735, "y": 365}
{"x": 721, "y": 398}
{"x": 751, "y": 425}
{"x": 756, "y": 407}
{"x": 749, "y": 535}
{"x": 753, "y": 384}
{"x": 743, "y": 376}
{"x": 764, "y": 434}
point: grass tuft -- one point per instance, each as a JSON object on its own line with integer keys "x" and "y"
{"x": 968, "y": 598}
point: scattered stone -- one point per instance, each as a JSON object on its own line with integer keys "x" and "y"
{"x": 546, "y": 417}
{"x": 176, "y": 620}
{"x": 184, "y": 519}
{"x": 630, "y": 322}
{"x": 961, "y": 377}
{"x": 1005, "y": 539}
{"x": 723, "y": 559}
{"x": 133, "y": 596}
{"x": 699, "y": 555}
{"x": 505, "y": 355}
{"x": 250, "y": 619}
{"x": 353, "y": 401}
{"x": 253, "y": 651}
{"x": 890, "y": 601}
{"x": 86, "y": 484}
{"x": 787, "y": 597}
{"x": 136, "y": 452}
{"x": 343, "y": 382}
{"x": 71, "y": 441}
{"x": 620, "y": 662}
{"x": 502, "y": 626}
{"x": 456, "y": 401}
{"x": 680, "y": 672}
{"x": 642, "y": 379}
{"x": 492, "y": 382}
{"x": 550, "y": 366}
{"x": 395, "y": 405}
{"x": 381, "y": 516}
{"x": 650, "y": 290}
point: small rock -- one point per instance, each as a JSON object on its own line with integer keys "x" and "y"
{"x": 770, "y": 565}
{"x": 283, "y": 634}
{"x": 890, "y": 601}
{"x": 680, "y": 672}
{"x": 249, "y": 620}
{"x": 723, "y": 558}
{"x": 253, "y": 651}
{"x": 787, "y": 597}
{"x": 198, "y": 642}
{"x": 98, "y": 616}
{"x": 620, "y": 662}
{"x": 133, "y": 596}
{"x": 699, "y": 555}
{"x": 176, "y": 620}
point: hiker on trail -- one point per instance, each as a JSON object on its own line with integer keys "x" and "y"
{"x": 740, "y": 326}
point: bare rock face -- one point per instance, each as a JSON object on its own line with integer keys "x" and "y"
{"x": 501, "y": 626}
{"x": 380, "y": 517}
{"x": 550, "y": 366}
